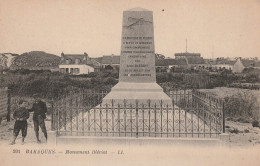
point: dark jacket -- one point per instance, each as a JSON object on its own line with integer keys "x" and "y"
{"x": 21, "y": 113}
{"x": 38, "y": 108}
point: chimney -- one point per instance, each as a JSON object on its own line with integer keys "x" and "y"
{"x": 62, "y": 56}
{"x": 86, "y": 58}
{"x": 112, "y": 57}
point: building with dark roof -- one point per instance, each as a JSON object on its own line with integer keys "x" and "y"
{"x": 167, "y": 64}
{"x": 222, "y": 63}
{"x": 193, "y": 60}
{"x": 185, "y": 55}
{"x": 109, "y": 62}
{"x": 257, "y": 65}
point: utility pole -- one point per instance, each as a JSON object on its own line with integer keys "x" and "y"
{"x": 212, "y": 53}
{"x": 186, "y": 45}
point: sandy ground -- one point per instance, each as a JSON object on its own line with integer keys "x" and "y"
{"x": 247, "y": 136}
{"x": 6, "y": 132}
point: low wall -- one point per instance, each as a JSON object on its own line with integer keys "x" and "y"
{"x": 128, "y": 141}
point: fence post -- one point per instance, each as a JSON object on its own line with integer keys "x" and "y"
{"x": 143, "y": 117}
{"x": 173, "y": 112}
{"x": 107, "y": 119}
{"x": 119, "y": 119}
{"x": 136, "y": 117}
{"x": 223, "y": 116}
{"x": 100, "y": 116}
{"x": 113, "y": 124}
{"x": 52, "y": 115}
{"x": 125, "y": 116}
{"x": 8, "y": 105}
{"x": 167, "y": 112}
{"x": 131, "y": 119}
{"x": 161, "y": 110}
{"x": 71, "y": 116}
{"x": 149, "y": 117}
{"x": 155, "y": 120}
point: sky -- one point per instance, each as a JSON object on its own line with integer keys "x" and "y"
{"x": 222, "y": 28}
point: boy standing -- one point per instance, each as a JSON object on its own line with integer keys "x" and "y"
{"x": 20, "y": 115}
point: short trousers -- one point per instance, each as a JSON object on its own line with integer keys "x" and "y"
{"x": 20, "y": 125}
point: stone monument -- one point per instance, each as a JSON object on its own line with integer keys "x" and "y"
{"x": 137, "y": 76}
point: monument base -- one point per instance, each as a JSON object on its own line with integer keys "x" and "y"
{"x": 133, "y": 92}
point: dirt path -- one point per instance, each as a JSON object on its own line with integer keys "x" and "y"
{"x": 6, "y": 132}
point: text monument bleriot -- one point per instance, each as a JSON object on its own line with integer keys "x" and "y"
{"x": 137, "y": 77}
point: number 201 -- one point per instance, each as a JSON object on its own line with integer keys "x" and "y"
{"x": 16, "y": 151}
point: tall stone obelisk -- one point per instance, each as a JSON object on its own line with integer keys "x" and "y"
{"x": 137, "y": 76}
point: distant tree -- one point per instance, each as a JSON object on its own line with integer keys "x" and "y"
{"x": 159, "y": 56}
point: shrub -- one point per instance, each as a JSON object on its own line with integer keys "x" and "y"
{"x": 246, "y": 131}
{"x": 110, "y": 81}
{"x": 236, "y": 131}
{"x": 92, "y": 75}
{"x": 242, "y": 119}
{"x": 255, "y": 123}
{"x": 242, "y": 106}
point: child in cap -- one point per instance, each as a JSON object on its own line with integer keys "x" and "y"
{"x": 20, "y": 115}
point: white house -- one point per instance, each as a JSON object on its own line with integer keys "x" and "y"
{"x": 76, "y": 64}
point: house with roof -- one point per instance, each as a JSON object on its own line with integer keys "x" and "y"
{"x": 257, "y": 65}
{"x": 77, "y": 64}
{"x": 222, "y": 64}
{"x": 185, "y": 55}
{"x": 109, "y": 62}
{"x": 193, "y": 60}
{"x": 168, "y": 64}
{"x": 235, "y": 65}
{"x": 241, "y": 64}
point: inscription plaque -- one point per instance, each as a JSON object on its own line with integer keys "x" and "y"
{"x": 137, "y": 60}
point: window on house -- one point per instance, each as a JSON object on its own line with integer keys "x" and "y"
{"x": 76, "y": 70}
{"x": 77, "y": 61}
{"x": 67, "y": 61}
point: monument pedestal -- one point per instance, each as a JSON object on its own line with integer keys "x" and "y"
{"x": 141, "y": 92}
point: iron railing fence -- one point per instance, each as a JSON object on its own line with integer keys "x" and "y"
{"x": 191, "y": 114}
{"x": 210, "y": 109}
